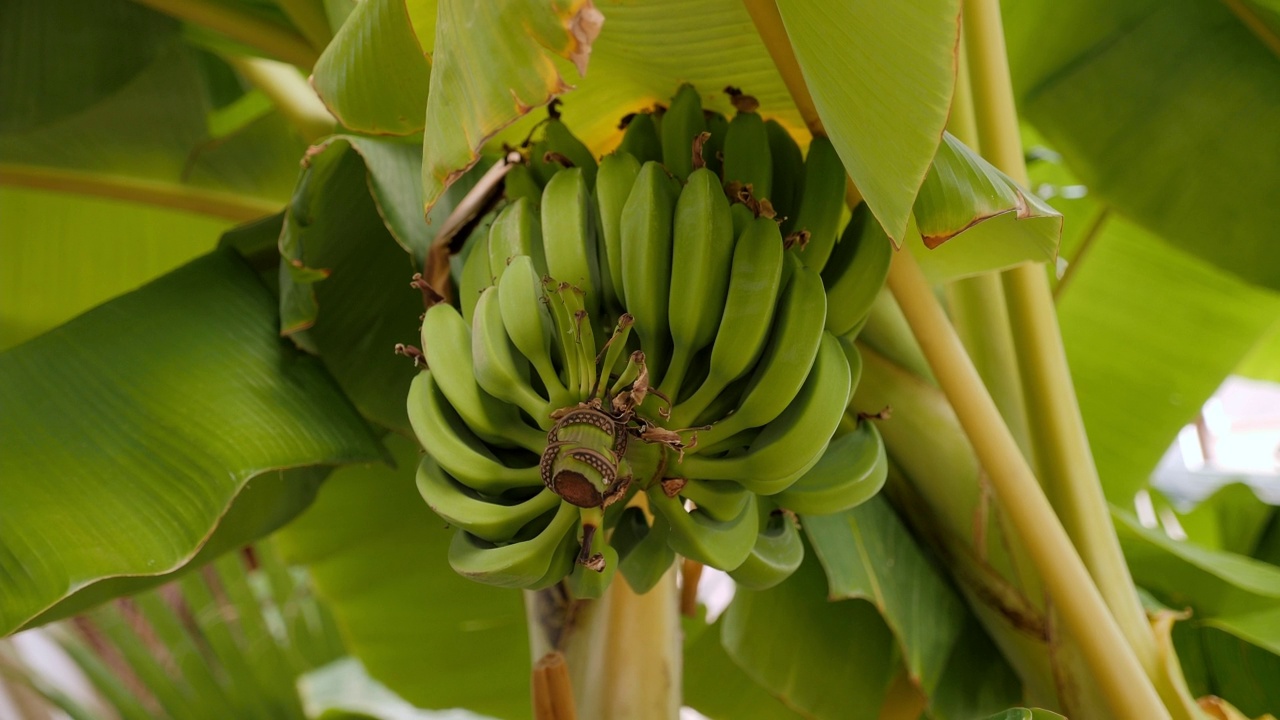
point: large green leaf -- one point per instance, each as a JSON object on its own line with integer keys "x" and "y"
{"x": 1150, "y": 333}
{"x": 824, "y": 659}
{"x": 1224, "y": 665}
{"x": 881, "y": 75}
{"x": 378, "y": 556}
{"x": 1263, "y": 361}
{"x": 1163, "y": 107}
{"x": 719, "y": 689}
{"x": 868, "y": 553}
{"x": 977, "y": 679}
{"x": 129, "y": 430}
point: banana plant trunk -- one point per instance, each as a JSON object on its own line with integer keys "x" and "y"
{"x": 623, "y": 650}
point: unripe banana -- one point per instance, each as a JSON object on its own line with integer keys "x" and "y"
{"x": 823, "y": 202}
{"x": 520, "y": 182}
{"x": 682, "y": 123}
{"x": 515, "y": 231}
{"x": 613, "y": 185}
{"x": 522, "y": 563}
{"x": 644, "y": 552}
{"x": 567, "y": 234}
{"x": 502, "y": 372}
{"x": 713, "y": 148}
{"x": 641, "y": 140}
{"x": 742, "y": 218}
{"x": 792, "y": 440}
{"x": 475, "y": 276}
{"x": 777, "y": 554}
{"x": 792, "y": 346}
{"x": 722, "y": 544}
{"x": 646, "y": 260}
{"x": 788, "y": 174}
{"x": 701, "y": 253}
{"x": 447, "y": 344}
{"x": 529, "y": 325}
{"x": 850, "y": 348}
{"x": 587, "y": 584}
{"x": 492, "y": 519}
{"x": 446, "y": 437}
{"x": 851, "y": 471}
{"x": 856, "y": 271}
{"x": 754, "y": 281}
{"x": 746, "y": 155}
{"x": 557, "y": 138}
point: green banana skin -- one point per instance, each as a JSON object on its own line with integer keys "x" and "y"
{"x": 719, "y": 499}
{"x": 823, "y": 202}
{"x": 520, "y": 182}
{"x": 444, "y": 435}
{"x": 851, "y": 471}
{"x": 746, "y": 155}
{"x": 713, "y": 148}
{"x": 446, "y": 340}
{"x": 646, "y": 240}
{"x": 475, "y": 277}
{"x": 856, "y": 271}
{"x": 696, "y": 535}
{"x": 788, "y": 173}
{"x": 529, "y": 325}
{"x": 781, "y": 372}
{"x": 644, "y": 553}
{"x": 754, "y": 281}
{"x": 792, "y": 440}
{"x": 682, "y": 123}
{"x": 487, "y": 519}
{"x": 617, "y": 176}
{"x": 520, "y": 564}
{"x": 557, "y": 138}
{"x": 587, "y": 584}
{"x": 501, "y": 371}
{"x": 701, "y": 255}
{"x": 742, "y": 218}
{"x": 777, "y": 554}
{"x": 515, "y": 231}
{"x": 641, "y": 140}
{"x": 567, "y": 235}
{"x": 854, "y": 357}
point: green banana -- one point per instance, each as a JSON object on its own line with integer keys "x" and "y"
{"x": 778, "y": 551}
{"x": 491, "y": 519}
{"x": 613, "y": 184}
{"x": 644, "y": 553}
{"x": 742, "y": 218}
{"x": 713, "y": 148}
{"x": 641, "y": 140}
{"x": 701, "y": 254}
{"x": 851, "y": 471}
{"x": 788, "y": 174}
{"x": 446, "y": 437}
{"x": 822, "y": 204}
{"x": 515, "y": 231}
{"x": 502, "y": 372}
{"x": 447, "y": 344}
{"x": 857, "y": 269}
{"x": 567, "y": 234}
{"x": 557, "y": 138}
{"x": 520, "y": 182}
{"x": 722, "y": 544}
{"x": 781, "y": 372}
{"x": 682, "y": 123}
{"x": 794, "y": 439}
{"x": 854, "y": 357}
{"x": 529, "y": 325}
{"x": 719, "y": 499}
{"x": 754, "y": 280}
{"x": 475, "y": 276}
{"x": 746, "y": 154}
{"x": 587, "y": 584}
{"x": 646, "y": 260}
{"x": 522, "y": 563}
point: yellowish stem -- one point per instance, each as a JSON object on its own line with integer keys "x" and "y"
{"x": 252, "y": 30}
{"x": 768, "y": 22}
{"x": 1120, "y": 677}
{"x": 292, "y": 95}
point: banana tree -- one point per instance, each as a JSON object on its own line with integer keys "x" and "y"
{"x": 771, "y": 288}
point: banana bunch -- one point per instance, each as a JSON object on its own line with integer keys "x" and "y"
{"x": 673, "y": 321}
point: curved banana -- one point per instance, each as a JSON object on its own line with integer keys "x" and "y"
{"x": 515, "y": 231}
{"x": 856, "y": 271}
{"x": 754, "y": 280}
{"x": 742, "y": 218}
{"x": 788, "y": 174}
{"x": 794, "y": 438}
{"x": 646, "y": 260}
{"x": 682, "y": 123}
{"x": 557, "y": 138}
{"x": 781, "y": 372}
{"x": 746, "y": 154}
{"x": 851, "y": 471}
{"x": 640, "y": 140}
{"x": 713, "y": 148}
{"x": 722, "y": 544}
{"x": 778, "y": 551}
{"x": 567, "y": 234}
{"x": 522, "y": 563}
{"x": 613, "y": 184}
{"x": 446, "y": 437}
{"x": 502, "y": 372}
{"x": 491, "y": 519}
{"x": 446, "y": 340}
{"x": 475, "y": 276}
{"x": 850, "y": 348}
{"x": 529, "y": 324}
{"x": 520, "y": 182}
{"x": 644, "y": 555}
{"x": 701, "y": 253}
{"x": 823, "y": 202}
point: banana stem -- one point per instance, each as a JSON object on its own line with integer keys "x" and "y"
{"x": 1058, "y": 436}
{"x": 291, "y": 94}
{"x": 768, "y": 22}
{"x": 1116, "y": 670}
{"x": 271, "y": 38}
{"x": 310, "y": 19}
